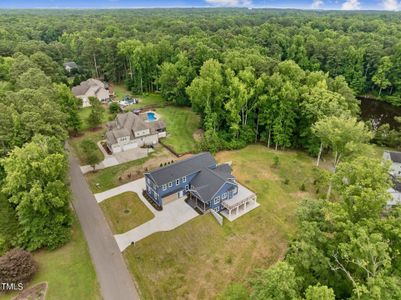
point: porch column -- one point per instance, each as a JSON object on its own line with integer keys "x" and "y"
{"x": 237, "y": 210}
{"x": 229, "y": 212}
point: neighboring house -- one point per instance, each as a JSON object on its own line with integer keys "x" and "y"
{"x": 206, "y": 184}
{"x": 395, "y": 173}
{"x": 69, "y": 66}
{"x": 129, "y": 131}
{"x": 395, "y": 159}
{"x": 91, "y": 88}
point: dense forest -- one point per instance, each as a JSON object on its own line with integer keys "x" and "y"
{"x": 286, "y": 78}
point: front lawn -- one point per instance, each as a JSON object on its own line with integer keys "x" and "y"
{"x": 95, "y": 136}
{"x": 68, "y": 271}
{"x": 125, "y": 212}
{"x": 181, "y": 125}
{"x": 200, "y": 258}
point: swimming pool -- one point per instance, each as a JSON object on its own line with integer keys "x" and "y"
{"x": 151, "y": 116}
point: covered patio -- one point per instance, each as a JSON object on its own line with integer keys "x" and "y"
{"x": 240, "y": 204}
{"x": 197, "y": 204}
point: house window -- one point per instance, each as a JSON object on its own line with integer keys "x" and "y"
{"x": 184, "y": 179}
{"x": 170, "y": 184}
{"x": 154, "y": 193}
{"x": 235, "y": 190}
{"x": 164, "y": 187}
{"x": 187, "y": 187}
{"x": 216, "y": 209}
{"x": 147, "y": 180}
{"x": 217, "y": 200}
{"x": 177, "y": 182}
{"x": 224, "y": 196}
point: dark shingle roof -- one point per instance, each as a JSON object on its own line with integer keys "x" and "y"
{"x": 182, "y": 168}
{"x": 207, "y": 183}
{"x": 395, "y": 156}
{"x": 224, "y": 170}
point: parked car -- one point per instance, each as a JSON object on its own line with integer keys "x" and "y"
{"x": 137, "y": 111}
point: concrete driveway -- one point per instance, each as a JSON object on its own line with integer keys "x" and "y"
{"x": 173, "y": 214}
{"x": 117, "y": 158}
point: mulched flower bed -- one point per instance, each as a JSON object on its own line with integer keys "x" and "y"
{"x": 150, "y": 200}
{"x": 37, "y": 292}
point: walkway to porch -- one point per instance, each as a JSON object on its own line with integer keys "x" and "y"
{"x": 240, "y": 204}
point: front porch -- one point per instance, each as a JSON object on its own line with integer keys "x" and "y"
{"x": 240, "y": 204}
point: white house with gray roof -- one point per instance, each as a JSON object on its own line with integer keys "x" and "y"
{"x": 129, "y": 131}
{"x": 206, "y": 185}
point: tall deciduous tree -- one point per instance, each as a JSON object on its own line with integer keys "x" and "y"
{"x": 96, "y": 113}
{"x": 35, "y": 183}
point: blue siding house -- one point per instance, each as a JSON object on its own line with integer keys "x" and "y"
{"x": 198, "y": 178}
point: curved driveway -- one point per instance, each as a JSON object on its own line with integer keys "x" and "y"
{"x": 112, "y": 273}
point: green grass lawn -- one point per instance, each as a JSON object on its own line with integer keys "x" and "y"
{"x": 181, "y": 125}
{"x": 144, "y": 100}
{"x": 125, "y": 212}
{"x": 200, "y": 258}
{"x": 68, "y": 271}
{"x": 84, "y": 114}
{"x": 95, "y": 136}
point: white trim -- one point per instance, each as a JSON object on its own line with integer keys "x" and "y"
{"x": 164, "y": 187}
{"x": 224, "y": 196}
{"x": 170, "y": 184}
{"x": 184, "y": 179}
{"x": 177, "y": 182}
{"x": 216, "y": 200}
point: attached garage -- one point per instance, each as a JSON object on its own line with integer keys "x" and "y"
{"x": 130, "y": 146}
{"x": 170, "y": 198}
{"x": 116, "y": 148}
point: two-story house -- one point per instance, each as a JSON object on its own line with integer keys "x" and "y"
{"x": 200, "y": 179}
{"x": 129, "y": 131}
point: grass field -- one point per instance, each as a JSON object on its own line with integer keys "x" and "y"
{"x": 68, "y": 271}
{"x": 200, "y": 258}
{"x": 84, "y": 114}
{"x": 95, "y": 136}
{"x": 181, "y": 125}
{"x": 125, "y": 212}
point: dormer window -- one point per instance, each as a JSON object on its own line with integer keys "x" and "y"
{"x": 177, "y": 182}
{"x": 184, "y": 179}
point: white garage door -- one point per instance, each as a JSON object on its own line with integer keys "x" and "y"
{"x": 130, "y": 146}
{"x": 116, "y": 149}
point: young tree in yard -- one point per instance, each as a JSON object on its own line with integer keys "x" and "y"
{"x": 89, "y": 148}
{"x": 345, "y": 136}
{"x": 381, "y": 76}
{"x": 114, "y": 108}
{"x": 35, "y": 183}
{"x": 17, "y": 266}
{"x": 96, "y": 114}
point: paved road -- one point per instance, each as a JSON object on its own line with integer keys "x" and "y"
{"x": 112, "y": 273}
{"x": 174, "y": 214}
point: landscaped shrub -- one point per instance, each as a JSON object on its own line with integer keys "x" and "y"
{"x": 17, "y": 266}
{"x": 276, "y": 161}
{"x": 302, "y": 187}
{"x": 161, "y": 165}
{"x": 286, "y": 181}
{"x": 114, "y": 108}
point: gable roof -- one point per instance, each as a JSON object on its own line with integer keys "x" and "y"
{"x": 207, "y": 183}
{"x": 182, "y": 168}
{"x": 395, "y": 156}
{"x": 91, "y": 87}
